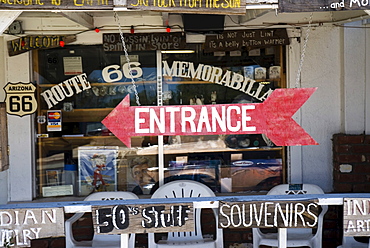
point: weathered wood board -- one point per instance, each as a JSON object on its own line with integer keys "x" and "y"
{"x": 4, "y": 156}
{"x": 144, "y": 42}
{"x": 234, "y": 40}
{"x": 356, "y": 217}
{"x": 57, "y": 4}
{"x": 32, "y": 42}
{"x": 19, "y": 226}
{"x": 117, "y": 219}
{"x": 269, "y": 214}
{"x": 226, "y": 7}
{"x": 321, "y": 5}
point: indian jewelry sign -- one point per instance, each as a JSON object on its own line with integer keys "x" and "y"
{"x": 19, "y": 226}
{"x": 152, "y": 218}
{"x": 322, "y": 5}
{"x": 356, "y": 217}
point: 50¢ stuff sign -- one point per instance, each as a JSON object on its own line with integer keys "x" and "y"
{"x": 117, "y": 219}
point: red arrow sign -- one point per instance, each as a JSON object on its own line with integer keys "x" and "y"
{"x": 273, "y": 117}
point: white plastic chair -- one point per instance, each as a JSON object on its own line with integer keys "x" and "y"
{"x": 296, "y": 237}
{"x": 101, "y": 240}
{"x": 351, "y": 242}
{"x": 182, "y": 189}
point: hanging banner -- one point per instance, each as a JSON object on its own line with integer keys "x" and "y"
{"x": 20, "y": 98}
{"x": 32, "y": 42}
{"x": 58, "y": 4}
{"x": 356, "y": 217}
{"x": 144, "y": 42}
{"x": 246, "y": 39}
{"x": 226, "y": 7}
{"x": 273, "y": 117}
{"x": 321, "y": 5}
{"x": 143, "y": 218}
{"x": 19, "y": 226}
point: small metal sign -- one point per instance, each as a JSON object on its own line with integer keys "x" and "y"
{"x": 20, "y": 98}
{"x": 54, "y": 120}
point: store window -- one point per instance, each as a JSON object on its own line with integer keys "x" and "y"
{"x": 78, "y": 86}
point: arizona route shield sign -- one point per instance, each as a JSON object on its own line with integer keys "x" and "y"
{"x": 20, "y": 98}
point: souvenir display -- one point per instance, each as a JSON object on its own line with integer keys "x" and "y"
{"x": 97, "y": 169}
{"x": 260, "y": 73}
{"x": 274, "y": 72}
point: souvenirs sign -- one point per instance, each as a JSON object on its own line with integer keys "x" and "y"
{"x": 19, "y": 226}
{"x": 246, "y": 39}
{"x": 272, "y": 214}
{"x": 144, "y": 42}
{"x": 152, "y": 218}
{"x": 28, "y": 43}
{"x": 57, "y": 4}
{"x": 20, "y": 98}
{"x": 356, "y": 217}
{"x": 322, "y": 5}
{"x": 190, "y": 6}
{"x": 273, "y": 117}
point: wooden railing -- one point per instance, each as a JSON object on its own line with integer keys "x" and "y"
{"x": 36, "y": 217}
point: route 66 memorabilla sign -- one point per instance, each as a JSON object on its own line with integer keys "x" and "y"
{"x": 20, "y": 98}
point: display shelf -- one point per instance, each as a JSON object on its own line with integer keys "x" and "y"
{"x": 192, "y": 148}
{"x": 59, "y": 142}
{"x": 84, "y": 115}
{"x": 164, "y": 81}
{"x": 105, "y": 84}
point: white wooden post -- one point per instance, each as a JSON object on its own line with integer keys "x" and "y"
{"x": 124, "y": 240}
{"x": 282, "y": 232}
